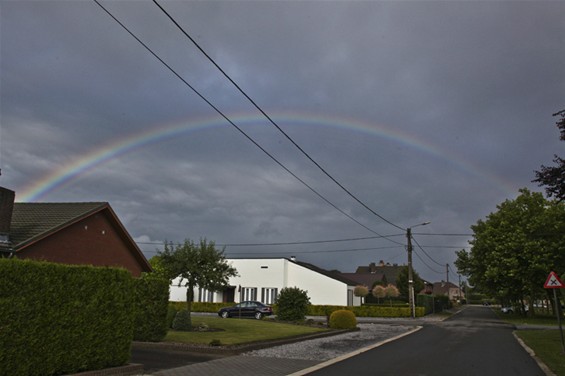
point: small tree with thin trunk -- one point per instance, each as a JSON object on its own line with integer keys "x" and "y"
{"x": 378, "y": 292}
{"x": 361, "y": 291}
{"x": 196, "y": 265}
{"x": 391, "y": 292}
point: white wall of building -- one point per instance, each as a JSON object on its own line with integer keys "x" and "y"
{"x": 263, "y": 279}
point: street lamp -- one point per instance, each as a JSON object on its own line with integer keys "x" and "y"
{"x": 411, "y": 299}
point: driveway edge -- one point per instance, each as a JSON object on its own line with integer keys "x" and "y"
{"x": 544, "y": 368}
{"x": 353, "y": 353}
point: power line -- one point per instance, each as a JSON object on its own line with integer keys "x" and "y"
{"x": 431, "y": 234}
{"x": 272, "y": 121}
{"x": 322, "y": 251}
{"x": 299, "y": 252}
{"x": 426, "y": 253}
{"x": 284, "y": 243}
{"x": 429, "y": 267}
{"x": 232, "y": 123}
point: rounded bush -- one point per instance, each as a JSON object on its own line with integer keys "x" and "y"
{"x": 343, "y": 319}
{"x": 292, "y": 304}
{"x": 182, "y": 321}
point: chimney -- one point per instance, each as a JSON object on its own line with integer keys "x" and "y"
{"x": 6, "y": 207}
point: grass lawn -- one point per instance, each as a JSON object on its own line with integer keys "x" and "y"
{"x": 517, "y": 319}
{"x": 239, "y": 331}
{"x": 547, "y": 346}
{"x": 545, "y": 343}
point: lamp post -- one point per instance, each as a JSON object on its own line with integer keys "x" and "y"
{"x": 411, "y": 299}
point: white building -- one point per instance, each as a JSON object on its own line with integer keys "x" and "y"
{"x": 263, "y": 279}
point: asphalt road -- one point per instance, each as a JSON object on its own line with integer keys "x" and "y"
{"x": 473, "y": 342}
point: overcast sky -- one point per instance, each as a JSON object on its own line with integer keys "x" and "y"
{"x": 424, "y": 111}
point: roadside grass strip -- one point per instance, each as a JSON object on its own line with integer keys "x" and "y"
{"x": 545, "y": 347}
{"x": 228, "y": 332}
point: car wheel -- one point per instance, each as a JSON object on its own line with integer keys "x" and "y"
{"x": 225, "y": 314}
{"x": 258, "y": 315}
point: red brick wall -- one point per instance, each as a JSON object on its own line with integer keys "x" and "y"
{"x": 92, "y": 241}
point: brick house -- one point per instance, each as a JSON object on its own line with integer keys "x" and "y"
{"x": 75, "y": 233}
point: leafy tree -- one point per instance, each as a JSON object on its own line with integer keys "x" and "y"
{"x": 515, "y": 248}
{"x": 553, "y": 178}
{"x": 196, "y": 265}
{"x": 293, "y": 304}
{"x": 391, "y": 291}
{"x": 158, "y": 269}
{"x": 378, "y": 292}
{"x": 361, "y": 291}
{"x": 402, "y": 282}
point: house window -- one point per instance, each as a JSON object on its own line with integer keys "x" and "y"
{"x": 248, "y": 293}
{"x": 269, "y": 295}
{"x": 205, "y": 296}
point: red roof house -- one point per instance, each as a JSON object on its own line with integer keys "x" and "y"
{"x": 70, "y": 233}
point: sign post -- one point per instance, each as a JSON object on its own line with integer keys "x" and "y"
{"x": 553, "y": 282}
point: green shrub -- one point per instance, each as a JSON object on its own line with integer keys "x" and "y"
{"x": 171, "y": 313}
{"x": 343, "y": 319}
{"x": 292, "y": 304}
{"x": 367, "y": 310}
{"x": 151, "y": 308}
{"x": 182, "y": 321}
{"x": 60, "y": 319}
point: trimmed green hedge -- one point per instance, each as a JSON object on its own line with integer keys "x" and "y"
{"x": 366, "y": 311}
{"x": 151, "y": 305}
{"x": 319, "y": 310}
{"x": 57, "y": 319}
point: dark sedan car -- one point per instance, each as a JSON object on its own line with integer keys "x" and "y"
{"x": 246, "y": 309}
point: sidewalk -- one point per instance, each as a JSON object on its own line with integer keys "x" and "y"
{"x": 241, "y": 365}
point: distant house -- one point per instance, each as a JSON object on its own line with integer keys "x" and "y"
{"x": 69, "y": 233}
{"x": 452, "y": 291}
{"x": 383, "y": 273}
{"x": 263, "y": 279}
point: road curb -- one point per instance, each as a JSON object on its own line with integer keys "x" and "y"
{"x": 544, "y": 368}
{"x": 237, "y": 349}
{"x": 353, "y": 353}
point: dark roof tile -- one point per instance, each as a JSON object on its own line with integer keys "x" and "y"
{"x": 31, "y": 221}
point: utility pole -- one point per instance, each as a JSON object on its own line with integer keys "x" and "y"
{"x": 411, "y": 300}
{"x": 410, "y": 274}
{"x": 447, "y": 273}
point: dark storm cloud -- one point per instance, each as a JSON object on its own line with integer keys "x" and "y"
{"x": 456, "y": 98}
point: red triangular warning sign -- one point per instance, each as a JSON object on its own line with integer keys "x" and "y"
{"x": 553, "y": 282}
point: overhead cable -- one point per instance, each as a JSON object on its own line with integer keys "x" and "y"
{"x": 273, "y": 122}
{"x": 233, "y": 124}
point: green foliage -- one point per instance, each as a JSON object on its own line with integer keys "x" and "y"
{"x": 60, "y": 319}
{"x": 367, "y": 310}
{"x": 342, "y": 319}
{"x": 171, "y": 313}
{"x": 515, "y": 248}
{"x": 292, "y": 304}
{"x": 552, "y": 177}
{"x": 215, "y": 342}
{"x": 151, "y": 308}
{"x": 182, "y": 321}
{"x": 199, "y": 265}
{"x": 402, "y": 282}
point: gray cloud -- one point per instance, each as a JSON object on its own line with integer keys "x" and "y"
{"x": 451, "y": 103}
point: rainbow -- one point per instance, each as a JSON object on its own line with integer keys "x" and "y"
{"x": 54, "y": 180}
